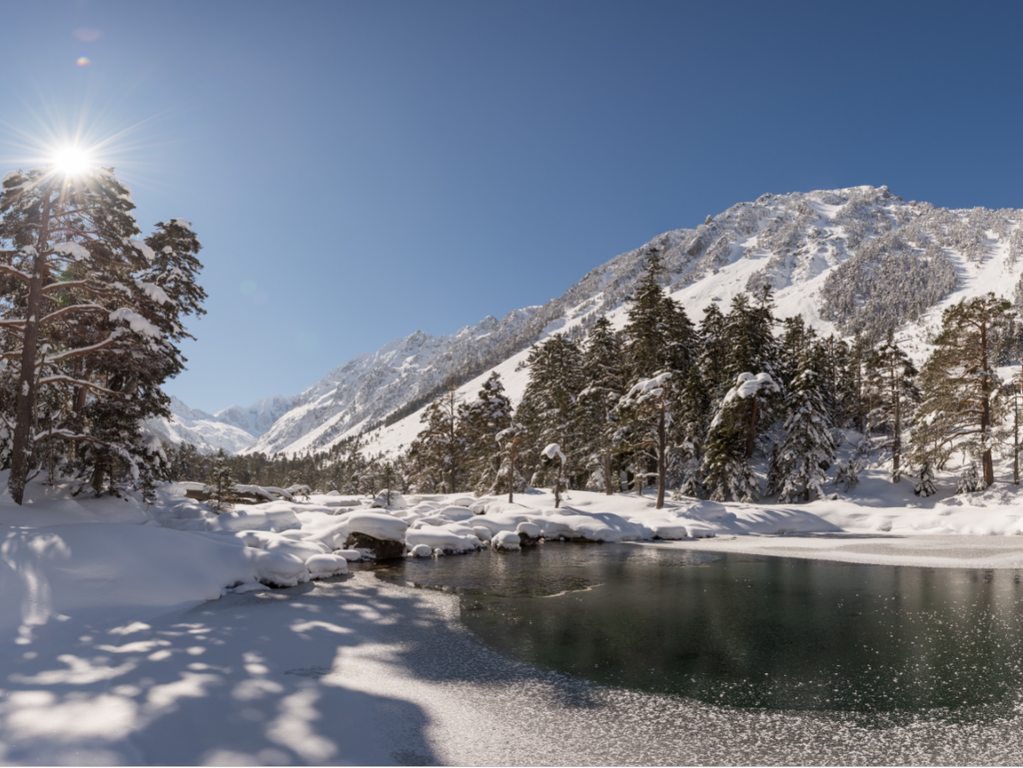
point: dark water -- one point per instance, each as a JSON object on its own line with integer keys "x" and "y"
{"x": 744, "y": 630}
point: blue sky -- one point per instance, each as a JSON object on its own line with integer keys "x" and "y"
{"x": 358, "y": 171}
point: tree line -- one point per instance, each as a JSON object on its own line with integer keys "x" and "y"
{"x": 672, "y": 406}
{"x": 692, "y": 408}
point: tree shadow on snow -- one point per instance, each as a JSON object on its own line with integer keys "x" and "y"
{"x": 263, "y": 678}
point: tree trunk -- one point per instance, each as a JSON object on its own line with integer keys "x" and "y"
{"x": 752, "y": 431}
{"x": 511, "y": 472}
{"x": 985, "y": 410}
{"x": 608, "y": 480}
{"x": 662, "y": 448}
{"x": 897, "y": 437}
{"x": 21, "y": 447}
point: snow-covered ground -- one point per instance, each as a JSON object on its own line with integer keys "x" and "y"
{"x": 138, "y": 635}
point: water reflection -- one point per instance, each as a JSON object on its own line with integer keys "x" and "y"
{"x": 746, "y": 630}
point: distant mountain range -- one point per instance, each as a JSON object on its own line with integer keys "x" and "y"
{"x": 857, "y": 259}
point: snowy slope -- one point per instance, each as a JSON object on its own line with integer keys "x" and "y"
{"x": 370, "y": 387}
{"x": 857, "y": 259}
{"x": 825, "y": 255}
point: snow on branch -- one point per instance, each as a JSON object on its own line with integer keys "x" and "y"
{"x": 25, "y": 278}
{"x": 75, "y": 251}
{"x": 136, "y": 322}
{"x": 78, "y": 383}
{"x": 73, "y": 308}
{"x": 553, "y": 450}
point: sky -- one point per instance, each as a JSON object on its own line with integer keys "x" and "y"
{"x": 358, "y": 171}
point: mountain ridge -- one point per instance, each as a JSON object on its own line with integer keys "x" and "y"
{"x": 848, "y": 260}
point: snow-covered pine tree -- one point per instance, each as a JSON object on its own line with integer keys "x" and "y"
{"x": 605, "y": 376}
{"x": 646, "y": 332}
{"x": 726, "y": 462}
{"x": 797, "y": 339}
{"x": 749, "y": 341}
{"x": 925, "y": 482}
{"x": 482, "y": 420}
{"x": 1013, "y": 391}
{"x": 959, "y": 406}
{"x": 86, "y": 327}
{"x": 439, "y": 453}
{"x": 548, "y": 410}
{"x": 892, "y": 389}
{"x": 859, "y": 353}
{"x": 220, "y": 487}
{"x": 508, "y": 476}
{"x": 713, "y": 346}
{"x": 689, "y": 429}
{"x": 660, "y": 343}
{"x": 807, "y": 446}
{"x": 847, "y": 474}
{"x": 646, "y": 409}
{"x": 840, "y": 387}
{"x": 969, "y": 480}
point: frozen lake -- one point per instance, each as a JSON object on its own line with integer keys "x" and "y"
{"x": 749, "y": 631}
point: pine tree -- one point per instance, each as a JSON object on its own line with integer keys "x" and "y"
{"x": 858, "y": 409}
{"x": 603, "y": 370}
{"x": 508, "y": 475}
{"x": 439, "y": 452}
{"x": 220, "y": 487}
{"x": 1014, "y": 392}
{"x": 749, "y": 340}
{"x": 796, "y": 468}
{"x": 90, "y": 318}
{"x": 960, "y": 407}
{"x": 645, "y": 408}
{"x": 893, "y": 391}
{"x": 548, "y": 410}
{"x": 925, "y": 484}
{"x": 689, "y": 429}
{"x": 482, "y": 420}
{"x": 714, "y": 351}
{"x": 646, "y": 331}
{"x": 727, "y": 471}
{"x": 726, "y": 463}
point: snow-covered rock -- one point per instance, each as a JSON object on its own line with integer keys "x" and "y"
{"x": 325, "y": 566}
{"x": 506, "y": 541}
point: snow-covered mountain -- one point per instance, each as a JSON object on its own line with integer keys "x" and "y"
{"x": 258, "y": 417}
{"x": 857, "y": 259}
{"x": 234, "y": 429}
{"x": 206, "y": 432}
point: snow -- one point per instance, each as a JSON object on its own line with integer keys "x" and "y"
{"x": 75, "y": 251}
{"x": 155, "y": 292}
{"x": 124, "y": 631}
{"x": 506, "y": 540}
{"x": 147, "y": 253}
{"x": 136, "y": 322}
{"x": 378, "y": 525}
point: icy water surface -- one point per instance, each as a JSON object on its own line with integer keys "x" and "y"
{"x": 746, "y": 631}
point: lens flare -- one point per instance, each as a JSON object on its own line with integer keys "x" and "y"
{"x": 83, "y": 61}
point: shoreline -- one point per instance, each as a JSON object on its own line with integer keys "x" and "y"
{"x": 966, "y": 551}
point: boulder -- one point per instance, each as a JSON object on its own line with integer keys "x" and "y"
{"x": 529, "y": 534}
{"x": 506, "y": 541}
{"x": 381, "y": 549}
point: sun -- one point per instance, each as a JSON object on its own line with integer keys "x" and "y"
{"x": 71, "y": 161}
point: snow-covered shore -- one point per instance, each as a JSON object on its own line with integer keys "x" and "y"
{"x": 141, "y": 636}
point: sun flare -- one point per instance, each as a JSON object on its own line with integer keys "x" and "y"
{"x": 72, "y": 161}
